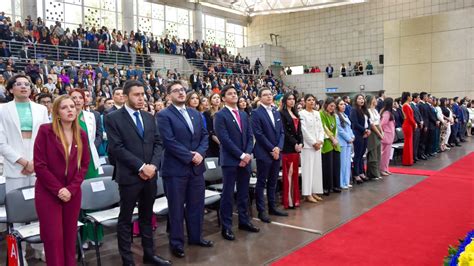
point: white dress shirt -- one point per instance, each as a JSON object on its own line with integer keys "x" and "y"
{"x": 269, "y": 110}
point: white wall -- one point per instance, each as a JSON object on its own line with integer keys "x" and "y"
{"x": 314, "y": 83}
{"x": 341, "y": 34}
{"x": 351, "y": 85}
{"x": 267, "y": 54}
{"x": 432, "y": 53}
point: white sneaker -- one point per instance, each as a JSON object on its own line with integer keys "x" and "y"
{"x": 349, "y": 185}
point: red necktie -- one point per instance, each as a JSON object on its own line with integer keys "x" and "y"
{"x": 238, "y": 118}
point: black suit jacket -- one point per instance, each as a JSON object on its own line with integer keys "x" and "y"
{"x": 425, "y": 113}
{"x": 128, "y": 148}
{"x": 292, "y": 136}
{"x": 99, "y": 129}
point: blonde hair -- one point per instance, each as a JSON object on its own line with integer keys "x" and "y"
{"x": 58, "y": 131}
{"x": 212, "y": 110}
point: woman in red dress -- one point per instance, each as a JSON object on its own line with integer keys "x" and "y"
{"x": 408, "y": 127}
{"x": 61, "y": 159}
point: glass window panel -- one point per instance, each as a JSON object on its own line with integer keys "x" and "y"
{"x": 158, "y": 11}
{"x": 109, "y": 5}
{"x": 119, "y": 21}
{"x": 183, "y": 16}
{"x": 210, "y": 36}
{"x": 91, "y": 3}
{"x": 54, "y": 11}
{"x": 220, "y": 37}
{"x": 73, "y": 14}
{"x": 77, "y": 2}
{"x": 7, "y": 7}
{"x": 190, "y": 18}
{"x": 18, "y": 8}
{"x": 171, "y": 14}
{"x": 239, "y": 29}
{"x": 71, "y": 26}
{"x": 144, "y": 8}
{"x": 230, "y": 40}
{"x": 157, "y": 27}
{"x": 230, "y": 27}
{"x": 239, "y": 41}
{"x": 91, "y": 17}
{"x": 171, "y": 29}
{"x": 109, "y": 19}
{"x": 50, "y": 23}
{"x": 220, "y": 24}
{"x": 144, "y": 24}
{"x": 210, "y": 22}
{"x": 183, "y": 31}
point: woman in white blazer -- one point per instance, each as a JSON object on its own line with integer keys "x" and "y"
{"x": 313, "y": 138}
{"x": 20, "y": 120}
{"x": 88, "y": 124}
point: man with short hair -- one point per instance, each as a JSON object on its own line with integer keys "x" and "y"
{"x": 380, "y": 100}
{"x": 417, "y": 133}
{"x": 135, "y": 142}
{"x": 269, "y": 138}
{"x": 46, "y": 100}
{"x": 233, "y": 129}
{"x": 185, "y": 142}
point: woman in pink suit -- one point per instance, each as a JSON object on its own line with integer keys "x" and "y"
{"x": 388, "y": 127}
{"x": 61, "y": 158}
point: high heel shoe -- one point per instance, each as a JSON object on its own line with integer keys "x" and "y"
{"x": 364, "y": 178}
{"x": 316, "y": 197}
{"x": 311, "y": 199}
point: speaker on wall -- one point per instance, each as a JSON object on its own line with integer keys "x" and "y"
{"x": 381, "y": 59}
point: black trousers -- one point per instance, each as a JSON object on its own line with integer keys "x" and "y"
{"x": 423, "y": 141}
{"x": 144, "y": 193}
{"x": 331, "y": 169}
{"x": 416, "y": 142}
{"x": 429, "y": 141}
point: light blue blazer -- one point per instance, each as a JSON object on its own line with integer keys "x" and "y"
{"x": 344, "y": 134}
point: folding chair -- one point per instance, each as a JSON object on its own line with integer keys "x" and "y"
{"x": 99, "y": 196}
{"x": 107, "y": 170}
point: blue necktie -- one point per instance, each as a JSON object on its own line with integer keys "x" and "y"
{"x": 188, "y": 119}
{"x": 139, "y": 123}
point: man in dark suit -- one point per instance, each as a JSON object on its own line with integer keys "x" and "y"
{"x": 193, "y": 80}
{"x": 135, "y": 142}
{"x": 424, "y": 135}
{"x": 4, "y": 51}
{"x": 432, "y": 124}
{"x": 232, "y": 128}
{"x": 185, "y": 142}
{"x": 419, "y": 121}
{"x": 380, "y": 100}
{"x": 269, "y": 139}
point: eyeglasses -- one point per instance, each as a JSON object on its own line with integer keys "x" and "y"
{"x": 178, "y": 90}
{"x": 18, "y": 84}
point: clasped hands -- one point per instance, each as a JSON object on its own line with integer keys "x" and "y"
{"x": 197, "y": 158}
{"x": 148, "y": 171}
{"x": 64, "y": 194}
{"x": 246, "y": 160}
{"x": 275, "y": 153}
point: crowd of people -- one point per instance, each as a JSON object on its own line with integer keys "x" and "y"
{"x": 344, "y": 70}
{"x": 289, "y": 130}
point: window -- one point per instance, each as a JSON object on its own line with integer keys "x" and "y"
{"x": 163, "y": 20}
{"x": 90, "y": 13}
{"x": 218, "y": 30}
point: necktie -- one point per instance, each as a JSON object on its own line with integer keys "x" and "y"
{"x": 187, "y": 118}
{"x": 270, "y": 113}
{"x": 237, "y": 116}
{"x": 141, "y": 131}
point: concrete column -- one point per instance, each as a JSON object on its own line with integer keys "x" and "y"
{"x": 127, "y": 15}
{"x": 198, "y": 23}
{"x": 29, "y": 7}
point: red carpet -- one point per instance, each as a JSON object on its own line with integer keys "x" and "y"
{"x": 411, "y": 171}
{"x": 413, "y": 228}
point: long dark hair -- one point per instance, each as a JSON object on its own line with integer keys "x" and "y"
{"x": 360, "y": 109}
{"x": 284, "y": 106}
{"x": 388, "y": 107}
{"x": 327, "y": 102}
{"x": 405, "y": 96}
{"x": 339, "y": 114}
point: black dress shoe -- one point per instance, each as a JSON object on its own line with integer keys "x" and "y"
{"x": 337, "y": 190}
{"x": 177, "y": 252}
{"x": 249, "y": 228}
{"x": 277, "y": 212}
{"x": 364, "y": 178}
{"x": 423, "y": 157}
{"x": 156, "y": 260}
{"x": 459, "y": 145}
{"x": 264, "y": 217}
{"x": 228, "y": 234}
{"x": 204, "y": 243}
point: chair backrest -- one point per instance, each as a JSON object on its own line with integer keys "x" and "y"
{"x": 2, "y": 192}
{"x": 99, "y": 193}
{"x": 399, "y": 133}
{"x": 20, "y": 205}
{"x": 108, "y": 170}
{"x": 213, "y": 170}
{"x": 160, "y": 190}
